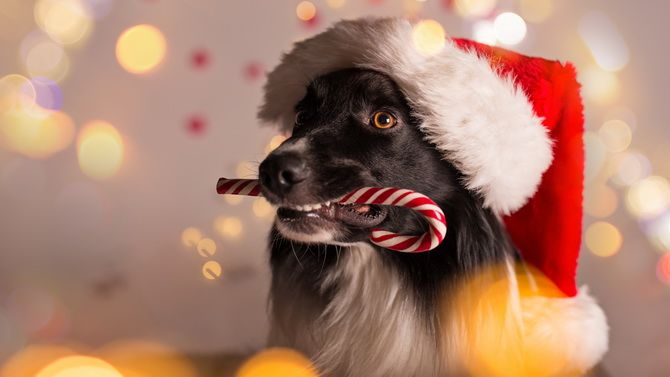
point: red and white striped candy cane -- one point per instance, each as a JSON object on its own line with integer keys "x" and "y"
{"x": 387, "y": 196}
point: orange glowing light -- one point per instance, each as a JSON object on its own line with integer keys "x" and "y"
{"x": 228, "y": 227}
{"x": 206, "y": 247}
{"x": 99, "y": 150}
{"x": 306, "y": 10}
{"x": 35, "y": 132}
{"x": 32, "y": 359}
{"x": 65, "y": 21}
{"x": 79, "y": 366}
{"x": 16, "y": 91}
{"x": 262, "y": 208}
{"x": 277, "y": 362}
{"x": 212, "y": 270}
{"x": 603, "y": 239}
{"x": 663, "y": 268}
{"x": 141, "y": 48}
{"x": 141, "y": 358}
{"x": 190, "y": 237}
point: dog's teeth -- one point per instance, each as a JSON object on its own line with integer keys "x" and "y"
{"x": 327, "y": 204}
{"x": 316, "y": 206}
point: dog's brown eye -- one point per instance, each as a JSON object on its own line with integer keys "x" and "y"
{"x": 383, "y": 119}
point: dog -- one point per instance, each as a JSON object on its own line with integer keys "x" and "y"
{"x": 354, "y": 308}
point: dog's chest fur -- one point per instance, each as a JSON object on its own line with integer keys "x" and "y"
{"x": 360, "y": 318}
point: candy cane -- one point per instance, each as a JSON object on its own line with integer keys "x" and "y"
{"x": 388, "y": 196}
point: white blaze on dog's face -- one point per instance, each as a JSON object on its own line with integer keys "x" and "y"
{"x": 354, "y": 128}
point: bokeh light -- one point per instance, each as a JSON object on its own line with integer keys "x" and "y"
{"x": 206, "y": 247}
{"x": 336, "y": 4}
{"x": 65, "y": 21}
{"x": 47, "y": 59}
{"x": 603, "y": 239}
{"x": 604, "y": 41}
{"x": 510, "y": 28}
{"x": 277, "y": 362}
{"x": 142, "y": 358}
{"x": 79, "y": 366}
{"x": 600, "y": 86}
{"x": 233, "y": 199}
{"x": 141, "y": 48}
{"x": 35, "y": 132}
{"x": 616, "y": 135}
{"x": 536, "y": 11}
{"x": 306, "y": 10}
{"x": 600, "y": 201}
{"x": 428, "y": 37}
{"x": 274, "y": 143}
{"x": 663, "y": 268}
{"x": 190, "y": 237}
{"x": 659, "y": 232}
{"x": 16, "y": 91}
{"x": 474, "y": 8}
{"x": 484, "y": 32}
{"x": 630, "y": 167}
{"x": 211, "y": 270}
{"x": 48, "y": 94}
{"x": 648, "y": 197}
{"x": 99, "y": 150}
{"x": 30, "y": 360}
{"x": 262, "y": 208}
{"x": 228, "y": 227}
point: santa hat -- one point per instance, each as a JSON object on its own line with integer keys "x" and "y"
{"x": 511, "y": 124}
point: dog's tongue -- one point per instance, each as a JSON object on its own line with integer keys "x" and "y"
{"x": 360, "y": 215}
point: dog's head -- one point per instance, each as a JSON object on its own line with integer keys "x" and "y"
{"x": 353, "y": 128}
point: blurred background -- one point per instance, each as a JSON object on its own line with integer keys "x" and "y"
{"x": 117, "y": 118}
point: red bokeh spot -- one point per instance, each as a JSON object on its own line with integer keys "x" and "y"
{"x": 253, "y": 71}
{"x": 663, "y": 268}
{"x": 312, "y": 22}
{"x": 449, "y": 4}
{"x": 200, "y": 59}
{"x": 196, "y": 125}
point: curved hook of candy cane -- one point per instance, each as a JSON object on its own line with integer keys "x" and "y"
{"x": 373, "y": 195}
{"x": 420, "y": 203}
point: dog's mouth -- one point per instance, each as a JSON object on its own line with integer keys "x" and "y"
{"x": 354, "y": 215}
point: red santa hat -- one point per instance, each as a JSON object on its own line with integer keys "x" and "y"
{"x": 511, "y": 124}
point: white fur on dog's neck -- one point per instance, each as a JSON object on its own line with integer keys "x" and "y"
{"x": 371, "y": 326}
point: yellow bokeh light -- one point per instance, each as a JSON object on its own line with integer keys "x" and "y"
{"x": 474, "y": 8}
{"x": 428, "y": 37}
{"x": 16, "y": 91}
{"x": 335, "y": 4}
{"x": 305, "y": 10}
{"x": 616, "y": 135}
{"x": 206, "y": 247}
{"x": 141, "y": 358}
{"x": 99, "y": 150}
{"x": 141, "y": 48}
{"x": 32, "y": 359}
{"x": 47, "y": 59}
{"x": 274, "y": 143}
{"x": 603, "y": 239}
{"x": 79, "y": 366}
{"x": 659, "y": 233}
{"x": 211, "y": 270}
{"x": 35, "y": 132}
{"x": 648, "y": 197}
{"x": 600, "y": 201}
{"x": 536, "y": 11}
{"x": 600, "y": 86}
{"x": 277, "y": 362}
{"x": 233, "y": 199}
{"x": 262, "y": 208}
{"x": 190, "y": 237}
{"x": 65, "y": 21}
{"x": 510, "y": 28}
{"x": 228, "y": 227}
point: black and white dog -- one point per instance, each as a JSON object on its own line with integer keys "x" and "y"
{"x": 357, "y": 309}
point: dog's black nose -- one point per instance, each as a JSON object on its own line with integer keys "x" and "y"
{"x": 280, "y": 172}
